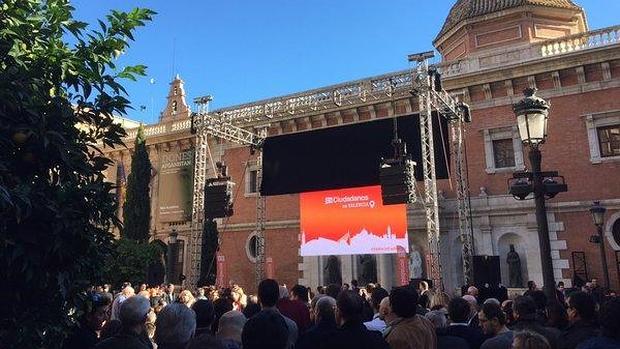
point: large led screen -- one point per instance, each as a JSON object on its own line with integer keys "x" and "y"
{"x": 351, "y": 221}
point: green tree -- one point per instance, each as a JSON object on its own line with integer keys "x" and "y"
{"x": 59, "y": 90}
{"x": 130, "y": 260}
{"x": 137, "y": 208}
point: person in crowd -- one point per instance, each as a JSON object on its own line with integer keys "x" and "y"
{"x": 151, "y": 318}
{"x": 313, "y": 302}
{"x": 320, "y": 290}
{"x": 473, "y": 310}
{"x": 269, "y": 328}
{"x": 439, "y": 320}
{"x": 387, "y": 315}
{"x": 175, "y": 326}
{"x": 170, "y": 297}
{"x": 333, "y": 290}
{"x": 240, "y": 300}
{"x": 155, "y": 296}
{"x": 524, "y": 311}
{"x": 409, "y": 330}
{"x": 146, "y": 294}
{"x": 530, "y": 340}
{"x": 376, "y": 324}
{"x": 492, "y": 301}
{"x": 531, "y": 287}
{"x": 106, "y": 292}
{"x": 582, "y": 318}
{"x": 251, "y": 310}
{"x": 424, "y": 300}
{"x": 559, "y": 293}
{"x": 459, "y": 311}
{"x": 473, "y": 291}
{"x": 557, "y": 316}
{"x": 143, "y": 287}
{"x": 440, "y": 301}
{"x": 493, "y": 323}
{"x": 186, "y": 298}
{"x": 201, "y": 293}
{"x": 540, "y": 299}
{"x": 507, "y": 309}
{"x": 300, "y": 293}
{"x": 125, "y": 293}
{"x": 609, "y": 318}
{"x": 351, "y": 333}
{"x": 132, "y": 335}
{"x": 597, "y": 291}
{"x": 220, "y": 306}
{"x": 355, "y": 286}
{"x": 294, "y": 309}
{"x": 84, "y": 335}
{"x": 345, "y": 287}
{"x": 230, "y": 328}
{"x": 205, "y": 314}
{"x": 324, "y": 325}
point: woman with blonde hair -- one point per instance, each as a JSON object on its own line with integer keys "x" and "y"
{"x": 186, "y": 298}
{"x": 439, "y": 301}
{"x": 240, "y": 300}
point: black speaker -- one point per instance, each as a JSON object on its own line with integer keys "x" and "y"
{"x": 397, "y": 182}
{"x": 486, "y": 271}
{"x": 218, "y": 198}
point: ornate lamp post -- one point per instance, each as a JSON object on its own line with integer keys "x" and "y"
{"x": 598, "y": 216}
{"x": 172, "y": 243}
{"x": 532, "y": 114}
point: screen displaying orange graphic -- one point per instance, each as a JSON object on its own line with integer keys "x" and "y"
{"x": 351, "y": 221}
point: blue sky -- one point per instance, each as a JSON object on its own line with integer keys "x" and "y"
{"x": 241, "y": 50}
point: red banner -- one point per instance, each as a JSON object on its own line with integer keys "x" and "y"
{"x": 270, "y": 271}
{"x": 221, "y": 280}
{"x": 403, "y": 267}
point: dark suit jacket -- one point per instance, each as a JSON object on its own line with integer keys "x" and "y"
{"x": 355, "y": 335}
{"x": 472, "y": 335}
{"x": 317, "y": 335}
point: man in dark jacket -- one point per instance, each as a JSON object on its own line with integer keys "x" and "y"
{"x": 524, "y": 310}
{"x": 133, "y": 315}
{"x": 325, "y": 325}
{"x": 84, "y": 335}
{"x": 459, "y": 311}
{"x": 582, "y": 317}
{"x": 352, "y": 332}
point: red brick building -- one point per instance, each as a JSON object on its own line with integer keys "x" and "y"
{"x": 489, "y": 55}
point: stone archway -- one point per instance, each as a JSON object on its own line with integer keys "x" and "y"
{"x": 503, "y": 247}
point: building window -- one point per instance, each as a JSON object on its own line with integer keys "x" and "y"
{"x": 503, "y": 153}
{"x": 615, "y": 231}
{"x": 251, "y": 180}
{"x": 503, "y": 150}
{"x": 251, "y": 247}
{"x": 603, "y": 136}
{"x": 609, "y": 140}
{"x": 174, "y": 107}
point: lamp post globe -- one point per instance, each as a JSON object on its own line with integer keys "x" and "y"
{"x": 532, "y": 115}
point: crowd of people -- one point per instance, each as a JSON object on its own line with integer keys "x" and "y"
{"x": 345, "y": 316}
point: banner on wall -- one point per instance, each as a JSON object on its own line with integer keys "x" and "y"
{"x": 270, "y": 271}
{"x": 176, "y": 174}
{"x": 351, "y": 221}
{"x": 403, "y": 267}
{"x": 220, "y": 278}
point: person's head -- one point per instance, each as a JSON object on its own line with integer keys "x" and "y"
{"x": 236, "y": 292}
{"x": 320, "y": 290}
{"x": 473, "y": 303}
{"x": 106, "y": 288}
{"x": 128, "y": 291}
{"x": 531, "y": 285}
{"x": 345, "y": 287}
{"x": 268, "y": 293}
{"x": 97, "y": 310}
{"x": 333, "y": 290}
{"x": 325, "y": 309}
{"x": 175, "y": 324}
{"x": 423, "y": 286}
{"x": 205, "y": 313}
{"x": 437, "y": 318}
{"x": 143, "y": 287}
{"x": 133, "y": 313}
{"x": 186, "y": 297}
{"x": 561, "y": 285}
{"x": 385, "y": 311}
{"x": 231, "y": 325}
{"x": 349, "y": 307}
{"x": 594, "y": 283}
{"x": 529, "y": 340}
{"x": 170, "y": 288}
{"x": 403, "y": 301}
{"x": 268, "y": 331}
{"x": 507, "y": 308}
{"x": 376, "y": 297}
{"x": 472, "y": 291}
{"x": 459, "y": 310}
{"x": 523, "y": 307}
{"x": 300, "y": 293}
{"x": 201, "y": 292}
{"x": 581, "y": 306}
{"x": 492, "y": 319}
{"x": 440, "y": 300}
{"x": 610, "y": 318}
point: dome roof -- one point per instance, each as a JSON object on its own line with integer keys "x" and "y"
{"x": 466, "y": 9}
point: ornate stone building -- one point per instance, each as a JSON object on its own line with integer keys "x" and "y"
{"x": 491, "y": 51}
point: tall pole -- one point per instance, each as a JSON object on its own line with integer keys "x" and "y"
{"x": 603, "y": 255}
{"x": 543, "y": 225}
{"x": 170, "y": 262}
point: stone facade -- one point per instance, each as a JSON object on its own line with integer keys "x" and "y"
{"x": 577, "y": 70}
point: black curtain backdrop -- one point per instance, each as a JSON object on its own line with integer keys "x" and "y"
{"x": 344, "y": 156}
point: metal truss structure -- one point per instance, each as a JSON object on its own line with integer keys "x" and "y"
{"x": 231, "y": 124}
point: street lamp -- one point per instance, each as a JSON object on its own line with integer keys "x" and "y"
{"x": 598, "y": 216}
{"x": 532, "y": 114}
{"x": 172, "y": 242}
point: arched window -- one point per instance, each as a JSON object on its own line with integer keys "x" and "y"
{"x": 615, "y": 231}
{"x": 174, "y": 107}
